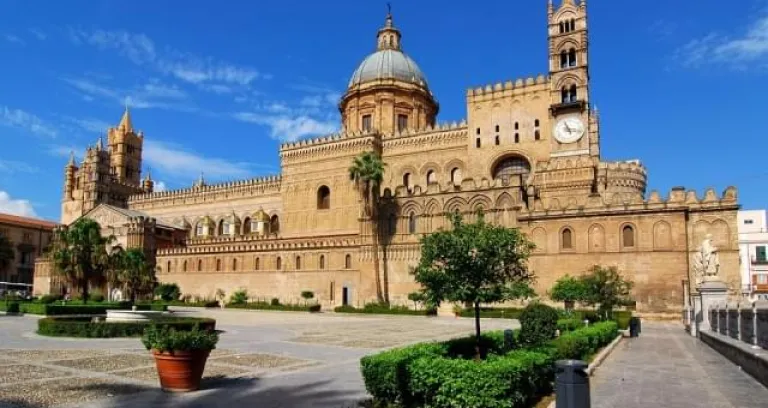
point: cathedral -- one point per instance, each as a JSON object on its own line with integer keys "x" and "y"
{"x": 527, "y": 155}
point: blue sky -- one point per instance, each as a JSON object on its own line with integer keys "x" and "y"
{"x": 216, "y": 86}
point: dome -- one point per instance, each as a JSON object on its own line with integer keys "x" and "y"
{"x": 388, "y": 64}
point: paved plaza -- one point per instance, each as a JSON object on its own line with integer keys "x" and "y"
{"x": 264, "y": 359}
{"x": 666, "y": 367}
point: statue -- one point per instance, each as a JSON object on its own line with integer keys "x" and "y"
{"x": 706, "y": 262}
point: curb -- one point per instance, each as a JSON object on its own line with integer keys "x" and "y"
{"x": 598, "y": 360}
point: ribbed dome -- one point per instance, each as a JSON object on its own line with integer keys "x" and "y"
{"x": 388, "y": 64}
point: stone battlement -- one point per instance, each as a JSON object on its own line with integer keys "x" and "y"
{"x": 250, "y": 243}
{"x": 508, "y": 88}
{"x": 261, "y": 185}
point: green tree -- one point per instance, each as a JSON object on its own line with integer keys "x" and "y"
{"x": 136, "y": 275}
{"x": 568, "y": 290}
{"x": 7, "y": 254}
{"x": 474, "y": 263}
{"x": 80, "y": 255}
{"x": 168, "y": 291}
{"x": 605, "y": 288}
{"x": 367, "y": 172}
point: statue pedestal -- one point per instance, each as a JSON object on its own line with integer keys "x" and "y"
{"x": 710, "y": 293}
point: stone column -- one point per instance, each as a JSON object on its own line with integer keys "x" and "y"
{"x": 710, "y": 292}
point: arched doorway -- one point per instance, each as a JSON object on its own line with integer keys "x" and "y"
{"x": 510, "y": 167}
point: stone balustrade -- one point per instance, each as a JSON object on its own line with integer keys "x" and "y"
{"x": 743, "y": 321}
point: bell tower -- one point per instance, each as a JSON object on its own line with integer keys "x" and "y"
{"x": 125, "y": 146}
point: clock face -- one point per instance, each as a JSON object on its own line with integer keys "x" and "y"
{"x": 569, "y": 130}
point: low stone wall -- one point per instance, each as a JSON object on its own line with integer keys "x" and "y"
{"x": 746, "y": 322}
{"x": 753, "y": 361}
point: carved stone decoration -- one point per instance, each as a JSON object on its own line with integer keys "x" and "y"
{"x": 706, "y": 262}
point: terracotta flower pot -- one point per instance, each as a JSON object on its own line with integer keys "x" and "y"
{"x": 180, "y": 371}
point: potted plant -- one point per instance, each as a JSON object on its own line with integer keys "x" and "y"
{"x": 180, "y": 355}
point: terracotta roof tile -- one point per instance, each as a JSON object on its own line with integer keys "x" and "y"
{"x": 26, "y": 221}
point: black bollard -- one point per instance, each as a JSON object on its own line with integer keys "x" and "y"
{"x": 571, "y": 384}
{"x": 634, "y": 327}
{"x": 509, "y": 340}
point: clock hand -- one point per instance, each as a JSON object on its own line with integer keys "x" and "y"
{"x": 568, "y": 128}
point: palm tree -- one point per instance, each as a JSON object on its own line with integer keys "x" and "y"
{"x": 79, "y": 254}
{"x": 6, "y": 253}
{"x": 135, "y": 273}
{"x": 367, "y": 171}
{"x": 114, "y": 266}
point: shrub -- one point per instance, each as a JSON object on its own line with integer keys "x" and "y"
{"x": 386, "y": 374}
{"x": 538, "y": 323}
{"x": 307, "y": 294}
{"x": 13, "y": 307}
{"x": 47, "y": 299}
{"x": 239, "y": 297}
{"x": 493, "y": 313}
{"x": 581, "y": 344}
{"x": 165, "y": 339}
{"x": 275, "y": 302}
{"x": 85, "y": 327}
{"x": 566, "y": 325}
{"x": 168, "y": 291}
{"x": 464, "y": 347}
{"x": 271, "y": 306}
{"x": 383, "y": 308}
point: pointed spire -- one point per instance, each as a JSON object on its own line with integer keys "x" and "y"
{"x": 148, "y": 177}
{"x": 99, "y": 144}
{"x": 389, "y": 36}
{"x": 71, "y": 162}
{"x": 125, "y": 122}
{"x": 201, "y": 181}
{"x": 550, "y": 7}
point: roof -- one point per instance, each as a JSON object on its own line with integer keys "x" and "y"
{"x": 134, "y": 213}
{"x": 27, "y": 222}
{"x": 388, "y": 64}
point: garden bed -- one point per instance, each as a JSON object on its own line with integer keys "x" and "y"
{"x": 279, "y": 307}
{"x": 86, "y": 328}
{"x": 383, "y": 309}
{"x": 620, "y": 316}
{"x": 74, "y": 308}
{"x": 445, "y": 375}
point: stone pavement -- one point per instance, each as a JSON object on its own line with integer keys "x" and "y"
{"x": 264, "y": 359}
{"x": 666, "y": 367}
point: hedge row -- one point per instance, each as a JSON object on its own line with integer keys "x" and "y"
{"x": 84, "y": 327}
{"x": 202, "y": 303}
{"x": 444, "y": 374}
{"x": 620, "y": 316}
{"x": 281, "y": 307}
{"x": 384, "y": 309}
{"x": 74, "y": 309}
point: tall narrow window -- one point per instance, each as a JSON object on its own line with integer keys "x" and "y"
{"x": 572, "y": 57}
{"x": 199, "y": 265}
{"x": 497, "y": 128}
{"x": 477, "y": 143}
{"x": 573, "y": 93}
{"x": 402, "y": 122}
{"x": 366, "y": 122}
{"x": 279, "y": 263}
{"x": 332, "y": 292}
{"x": 477, "y": 131}
{"x": 628, "y": 236}
{"x": 563, "y": 60}
{"x": 323, "y": 198}
{"x": 412, "y": 223}
{"x": 256, "y": 262}
{"x": 566, "y": 239}
{"x": 234, "y": 264}
{"x": 348, "y": 262}
{"x": 517, "y": 137}
{"x": 274, "y": 224}
{"x": 456, "y": 176}
{"x": 168, "y": 267}
{"x": 562, "y": 27}
{"x": 536, "y": 123}
{"x": 218, "y": 265}
{"x": 184, "y": 266}
{"x": 517, "y": 125}
{"x": 431, "y": 177}
{"x": 298, "y": 263}
{"x": 322, "y": 261}
{"x": 497, "y": 140}
{"x": 573, "y": 25}
{"x": 536, "y": 130}
{"x": 760, "y": 254}
{"x": 407, "y": 181}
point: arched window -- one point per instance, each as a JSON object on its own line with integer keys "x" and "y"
{"x": 510, "y": 167}
{"x": 279, "y": 263}
{"x": 218, "y": 265}
{"x": 564, "y": 98}
{"x": 517, "y": 125}
{"x": 569, "y": 94}
{"x": 274, "y": 224}
{"x": 497, "y": 140}
{"x": 456, "y": 176}
{"x": 628, "y": 236}
{"x": 573, "y": 25}
{"x": 199, "y": 229}
{"x": 298, "y": 263}
{"x": 322, "y": 261}
{"x": 566, "y": 239}
{"x": 199, "y": 265}
{"x": 234, "y": 264}
{"x": 323, "y": 198}
{"x": 572, "y": 57}
{"x": 412, "y": 223}
{"x": 573, "y": 93}
{"x": 256, "y": 262}
{"x": 536, "y": 123}
{"x": 168, "y": 267}
{"x": 562, "y": 27}
{"x": 563, "y": 60}
{"x": 184, "y": 266}
{"x": 431, "y": 177}
{"x": 517, "y": 137}
{"x": 246, "y": 226}
{"x": 477, "y": 142}
{"x": 348, "y": 261}
{"x": 407, "y": 181}
{"x": 537, "y": 134}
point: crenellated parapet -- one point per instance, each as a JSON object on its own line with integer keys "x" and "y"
{"x": 509, "y": 88}
{"x": 256, "y": 243}
{"x": 251, "y": 187}
{"x": 440, "y": 136}
{"x": 625, "y": 176}
{"x": 337, "y": 145}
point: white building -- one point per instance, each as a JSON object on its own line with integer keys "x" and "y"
{"x": 753, "y": 241}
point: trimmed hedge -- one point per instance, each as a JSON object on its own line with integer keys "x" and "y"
{"x": 204, "y": 303}
{"x": 620, "y": 316}
{"x": 566, "y": 325}
{"x": 280, "y": 307}
{"x": 54, "y": 309}
{"x": 373, "y": 308}
{"x": 444, "y": 374}
{"x": 85, "y": 327}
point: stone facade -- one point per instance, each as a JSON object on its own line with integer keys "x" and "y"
{"x": 528, "y": 155}
{"x": 29, "y": 238}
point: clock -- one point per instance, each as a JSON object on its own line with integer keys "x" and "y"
{"x": 569, "y": 130}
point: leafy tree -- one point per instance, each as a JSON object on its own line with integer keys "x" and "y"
{"x": 136, "y": 275}
{"x": 568, "y": 290}
{"x": 367, "y": 172}
{"x": 606, "y": 288}
{"x": 80, "y": 254}
{"x": 239, "y": 297}
{"x": 307, "y": 294}
{"x": 168, "y": 291}
{"x": 474, "y": 263}
{"x": 416, "y": 298}
{"x": 7, "y": 254}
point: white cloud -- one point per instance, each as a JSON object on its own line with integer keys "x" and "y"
{"x": 11, "y": 167}
{"x": 174, "y": 161}
{"x": 141, "y": 50}
{"x": 748, "y": 49}
{"x": 19, "y": 119}
{"x": 16, "y": 206}
{"x": 38, "y": 33}
{"x": 14, "y": 39}
{"x": 160, "y": 187}
{"x": 289, "y": 128}
{"x": 150, "y": 95}
{"x": 63, "y": 151}
{"x": 91, "y": 125}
